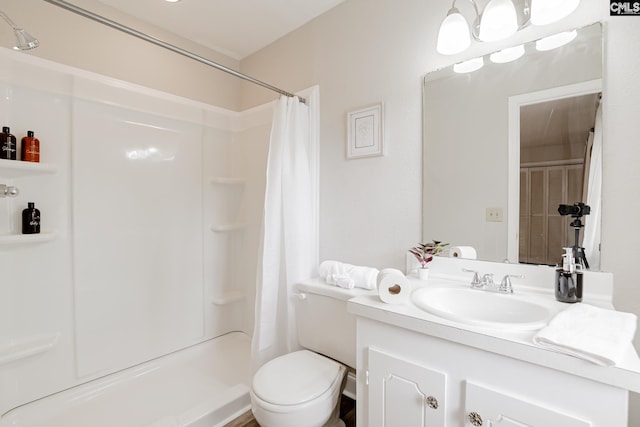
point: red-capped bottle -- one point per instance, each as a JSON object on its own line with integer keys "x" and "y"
{"x": 30, "y": 148}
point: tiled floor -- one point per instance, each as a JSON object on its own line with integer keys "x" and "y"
{"x": 347, "y": 413}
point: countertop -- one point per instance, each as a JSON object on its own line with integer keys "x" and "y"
{"x": 515, "y": 344}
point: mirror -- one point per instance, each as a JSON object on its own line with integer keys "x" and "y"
{"x": 471, "y": 167}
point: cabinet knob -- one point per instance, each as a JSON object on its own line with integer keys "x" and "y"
{"x": 475, "y": 419}
{"x": 432, "y": 402}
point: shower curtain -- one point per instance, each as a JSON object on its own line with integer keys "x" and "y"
{"x": 289, "y": 250}
{"x": 591, "y": 240}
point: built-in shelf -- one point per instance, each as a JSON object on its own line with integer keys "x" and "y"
{"x": 229, "y": 298}
{"x": 18, "y": 168}
{"x": 223, "y": 228}
{"x": 19, "y": 239}
{"x": 31, "y": 347}
{"x": 227, "y": 180}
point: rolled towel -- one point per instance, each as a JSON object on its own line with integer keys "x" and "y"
{"x": 595, "y": 334}
{"x": 348, "y": 276}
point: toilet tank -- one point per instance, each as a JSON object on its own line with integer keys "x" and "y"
{"x": 324, "y": 325}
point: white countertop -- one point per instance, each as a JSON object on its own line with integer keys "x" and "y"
{"x": 515, "y": 344}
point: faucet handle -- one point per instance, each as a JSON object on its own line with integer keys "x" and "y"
{"x": 505, "y": 284}
{"x": 475, "y": 282}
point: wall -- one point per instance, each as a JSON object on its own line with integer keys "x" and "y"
{"x": 95, "y": 47}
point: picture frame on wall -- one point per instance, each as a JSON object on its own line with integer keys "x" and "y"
{"x": 365, "y": 132}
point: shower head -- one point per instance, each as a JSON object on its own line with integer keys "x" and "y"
{"x": 24, "y": 40}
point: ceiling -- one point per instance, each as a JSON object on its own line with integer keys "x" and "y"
{"x": 563, "y": 121}
{"x": 236, "y": 28}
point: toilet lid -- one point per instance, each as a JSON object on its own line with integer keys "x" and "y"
{"x": 295, "y": 378}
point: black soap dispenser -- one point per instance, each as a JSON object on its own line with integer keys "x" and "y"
{"x": 569, "y": 279}
{"x": 31, "y": 219}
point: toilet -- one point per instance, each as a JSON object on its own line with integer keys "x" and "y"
{"x": 303, "y": 388}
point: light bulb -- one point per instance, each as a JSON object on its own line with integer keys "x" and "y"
{"x": 469, "y": 66}
{"x": 454, "y": 36}
{"x": 499, "y": 21}
{"x": 556, "y": 40}
{"x": 507, "y": 55}
{"x": 545, "y": 12}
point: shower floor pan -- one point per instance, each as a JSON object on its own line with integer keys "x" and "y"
{"x": 203, "y": 385}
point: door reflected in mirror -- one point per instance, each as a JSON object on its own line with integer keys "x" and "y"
{"x": 470, "y": 165}
{"x": 556, "y": 143}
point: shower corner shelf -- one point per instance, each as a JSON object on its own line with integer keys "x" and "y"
{"x": 18, "y": 168}
{"x": 224, "y": 228}
{"x": 229, "y": 298}
{"x": 31, "y": 347}
{"x": 227, "y": 180}
{"x": 18, "y": 239}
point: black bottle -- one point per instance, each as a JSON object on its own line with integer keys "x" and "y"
{"x": 31, "y": 219}
{"x": 8, "y": 147}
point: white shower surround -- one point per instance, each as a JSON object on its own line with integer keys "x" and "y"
{"x": 141, "y": 256}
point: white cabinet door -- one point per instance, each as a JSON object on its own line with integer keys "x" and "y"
{"x": 489, "y": 408}
{"x": 402, "y": 393}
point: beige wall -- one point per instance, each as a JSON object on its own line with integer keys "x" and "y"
{"x": 77, "y": 41}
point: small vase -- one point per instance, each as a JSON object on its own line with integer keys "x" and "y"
{"x": 423, "y": 273}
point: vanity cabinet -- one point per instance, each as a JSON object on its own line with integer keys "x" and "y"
{"x": 407, "y": 378}
{"x": 402, "y": 393}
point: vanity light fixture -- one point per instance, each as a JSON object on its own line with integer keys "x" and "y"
{"x": 498, "y": 21}
{"x": 469, "y": 66}
{"x": 507, "y": 55}
{"x": 556, "y": 40}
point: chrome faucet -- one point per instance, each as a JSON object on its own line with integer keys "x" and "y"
{"x": 487, "y": 283}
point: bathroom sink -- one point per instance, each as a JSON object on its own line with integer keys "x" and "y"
{"x": 482, "y": 308}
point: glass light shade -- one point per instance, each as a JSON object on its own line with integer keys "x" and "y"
{"x": 454, "y": 36}
{"x": 556, "y": 40}
{"x": 469, "y": 66}
{"x": 507, "y": 55}
{"x": 545, "y": 12}
{"x": 499, "y": 21}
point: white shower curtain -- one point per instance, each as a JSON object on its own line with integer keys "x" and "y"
{"x": 591, "y": 240}
{"x": 290, "y": 238}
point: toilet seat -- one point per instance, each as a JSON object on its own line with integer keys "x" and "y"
{"x": 296, "y": 378}
{"x": 298, "y": 389}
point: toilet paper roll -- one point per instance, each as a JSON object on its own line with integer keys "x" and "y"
{"x": 466, "y": 252}
{"x": 393, "y": 286}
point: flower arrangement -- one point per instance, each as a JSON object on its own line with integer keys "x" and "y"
{"x": 425, "y": 252}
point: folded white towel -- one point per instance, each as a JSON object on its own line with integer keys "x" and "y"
{"x": 595, "y": 334}
{"x": 348, "y": 276}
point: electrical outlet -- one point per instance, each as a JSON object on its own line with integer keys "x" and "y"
{"x": 494, "y": 214}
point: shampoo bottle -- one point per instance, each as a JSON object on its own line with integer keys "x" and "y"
{"x": 7, "y": 145}
{"x": 30, "y": 148}
{"x": 31, "y": 219}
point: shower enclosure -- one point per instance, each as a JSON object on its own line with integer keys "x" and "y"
{"x": 151, "y": 213}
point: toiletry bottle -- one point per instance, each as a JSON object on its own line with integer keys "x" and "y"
{"x": 30, "y": 148}
{"x": 8, "y": 149}
{"x": 30, "y": 219}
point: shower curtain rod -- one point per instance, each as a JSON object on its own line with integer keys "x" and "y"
{"x": 98, "y": 18}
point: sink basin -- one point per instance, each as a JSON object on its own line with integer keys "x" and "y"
{"x": 482, "y": 308}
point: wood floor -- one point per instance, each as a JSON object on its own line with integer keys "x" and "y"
{"x": 347, "y": 413}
